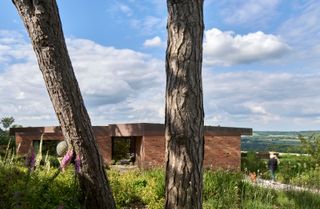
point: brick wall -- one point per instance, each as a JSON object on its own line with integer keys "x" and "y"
{"x": 154, "y": 151}
{"x": 221, "y": 149}
{"x": 24, "y": 140}
{"x": 23, "y": 143}
{"x": 222, "y": 152}
{"x": 104, "y": 144}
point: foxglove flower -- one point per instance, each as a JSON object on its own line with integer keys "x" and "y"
{"x": 66, "y": 159}
{"x": 77, "y": 164}
{"x": 31, "y": 160}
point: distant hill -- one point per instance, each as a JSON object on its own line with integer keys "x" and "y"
{"x": 280, "y": 141}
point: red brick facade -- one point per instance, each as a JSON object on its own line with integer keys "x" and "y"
{"x": 222, "y": 144}
{"x": 222, "y": 152}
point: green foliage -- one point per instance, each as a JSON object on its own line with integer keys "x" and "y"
{"x": 292, "y": 166}
{"x": 46, "y": 187}
{"x": 221, "y": 189}
{"x": 296, "y": 170}
{"x": 309, "y": 178}
{"x": 5, "y": 138}
{"x": 7, "y": 122}
{"x": 121, "y": 148}
{"x": 311, "y": 145}
{"x": 256, "y": 197}
{"x": 275, "y": 140}
{"x": 18, "y": 189}
{"x": 142, "y": 188}
{"x": 252, "y": 163}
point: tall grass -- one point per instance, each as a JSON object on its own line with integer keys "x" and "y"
{"x": 45, "y": 187}
{"x": 222, "y": 190}
{"x": 295, "y": 170}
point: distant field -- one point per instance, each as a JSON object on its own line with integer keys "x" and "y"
{"x": 280, "y": 141}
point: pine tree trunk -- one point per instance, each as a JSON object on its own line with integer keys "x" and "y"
{"x": 184, "y": 105}
{"x": 42, "y": 21}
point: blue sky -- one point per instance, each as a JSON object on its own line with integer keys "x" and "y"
{"x": 260, "y": 68}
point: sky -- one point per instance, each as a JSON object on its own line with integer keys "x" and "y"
{"x": 260, "y": 67}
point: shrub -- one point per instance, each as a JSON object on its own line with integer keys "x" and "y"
{"x": 221, "y": 189}
{"x": 134, "y": 188}
{"x": 311, "y": 145}
{"x": 252, "y": 163}
{"x": 308, "y": 178}
{"x": 19, "y": 189}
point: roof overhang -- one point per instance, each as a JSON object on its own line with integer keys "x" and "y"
{"x": 135, "y": 129}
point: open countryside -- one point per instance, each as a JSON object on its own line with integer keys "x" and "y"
{"x": 279, "y": 141}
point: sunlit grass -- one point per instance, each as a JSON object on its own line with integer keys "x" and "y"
{"x": 43, "y": 188}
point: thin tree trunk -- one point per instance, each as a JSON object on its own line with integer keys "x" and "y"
{"x": 184, "y": 105}
{"x": 42, "y": 21}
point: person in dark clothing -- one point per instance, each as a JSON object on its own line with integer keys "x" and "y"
{"x": 273, "y": 165}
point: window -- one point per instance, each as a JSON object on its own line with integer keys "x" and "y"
{"x": 123, "y": 149}
{"x": 47, "y": 146}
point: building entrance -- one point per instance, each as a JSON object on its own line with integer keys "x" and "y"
{"x": 123, "y": 150}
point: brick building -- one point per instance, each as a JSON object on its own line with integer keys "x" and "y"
{"x": 144, "y": 140}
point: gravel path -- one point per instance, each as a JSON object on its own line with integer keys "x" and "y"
{"x": 280, "y": 186}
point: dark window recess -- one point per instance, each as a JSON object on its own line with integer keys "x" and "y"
{"x": 123, "y": 150}
{"x": 47, "y": 146}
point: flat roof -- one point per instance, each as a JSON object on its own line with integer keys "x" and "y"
{"x": 135, "y": 129}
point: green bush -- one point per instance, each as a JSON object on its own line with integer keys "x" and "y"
{"x": 138, "y": 188}
{"x": 308, "y": 178}
{"x": 252, "y": 163}
{"x": 19, "y": 189}
{"x": 221, "y": 189}
{"x": 291, "y": 167}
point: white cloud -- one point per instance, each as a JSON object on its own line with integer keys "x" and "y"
{"x": 304, "y": 26}
{"x": 227, "y": 48}
{"x": 149, "y": 24}
{"x": 121, "y": 86}
{"x": 125, "y": 9}
{"x": 108, "y": 77}
{"x": 262, "y": 100}
{"x": 302, "y": 32}
{"x": 249, "y": 11}
{"x": 154, "y": 42}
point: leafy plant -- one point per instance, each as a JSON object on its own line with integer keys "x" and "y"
{"x": 7, "y": 122}
{"x": 311, "y": 145}
{"x": 252, "y": 163}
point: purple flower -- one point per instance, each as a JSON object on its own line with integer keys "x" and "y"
{"x": 31, "y": 160}
{"x": 66, "y": 159}
{"x": 77, "y": 164}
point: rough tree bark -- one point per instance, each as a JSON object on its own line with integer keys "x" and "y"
{"x": 42, "y": 21}
{"x": 184, "y": 105}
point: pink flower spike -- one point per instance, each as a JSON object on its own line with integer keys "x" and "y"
{"x": 31, "y": 160}
{"x": 77, "y": 164}
{"x": 66, "y": 159}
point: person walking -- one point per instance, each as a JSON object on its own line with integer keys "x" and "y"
{"x": 273, "y": 165}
